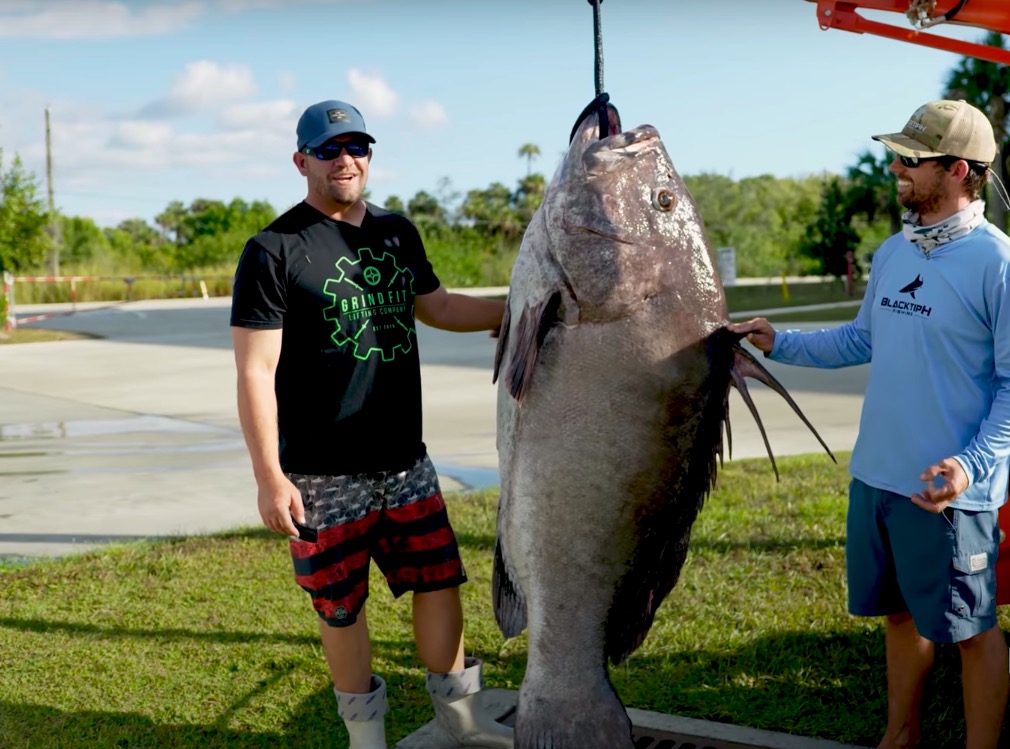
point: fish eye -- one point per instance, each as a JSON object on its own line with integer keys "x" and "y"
{"x": 664, "y": 199}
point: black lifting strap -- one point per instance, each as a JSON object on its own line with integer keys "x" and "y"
{"x": 599, "y": 104}
{"x": 949, "y": 15}
{"x": 598, "y": 33}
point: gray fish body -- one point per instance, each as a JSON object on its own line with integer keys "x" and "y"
{"x": 606, "y": 459}
{"x": 614, "y": 368}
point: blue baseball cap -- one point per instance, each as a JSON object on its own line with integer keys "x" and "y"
{"x": 326, "y": 120}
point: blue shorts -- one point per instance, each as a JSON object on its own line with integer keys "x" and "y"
{"x": 941, "y": 568}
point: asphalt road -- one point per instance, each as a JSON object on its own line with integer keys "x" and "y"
{"x": 134, "y": 434}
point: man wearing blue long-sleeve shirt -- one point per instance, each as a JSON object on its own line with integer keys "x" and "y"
{"x": 929, "y": 467}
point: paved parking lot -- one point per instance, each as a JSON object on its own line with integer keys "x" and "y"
{"x": 135, "y": 433}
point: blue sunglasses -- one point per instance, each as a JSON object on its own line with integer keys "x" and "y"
{"x": 331, "y": 150}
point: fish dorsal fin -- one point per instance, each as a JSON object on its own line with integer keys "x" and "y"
{"x": 524, "y": 346}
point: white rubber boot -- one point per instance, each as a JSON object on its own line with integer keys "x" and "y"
{"x": 364, "y": 715}
{"x": 458, "y": 709}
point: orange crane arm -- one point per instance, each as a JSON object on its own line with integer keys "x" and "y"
{"x": 990, "y": 15}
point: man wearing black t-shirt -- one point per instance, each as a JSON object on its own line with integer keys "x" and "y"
{"x": 329, "y": 397}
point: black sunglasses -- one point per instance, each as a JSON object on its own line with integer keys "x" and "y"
{"x": 911, "y": 162}
{"x": 331, "y": 150}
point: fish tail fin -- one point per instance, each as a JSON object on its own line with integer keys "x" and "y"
{"x": 745, "y": 365}
{"x": 561, "y": 721}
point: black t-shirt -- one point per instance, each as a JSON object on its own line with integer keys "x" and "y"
{"x": 348, "y": 381}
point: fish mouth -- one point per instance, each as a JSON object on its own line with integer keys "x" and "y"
{"x": 618, "y": 152}
{"x": 599, "y": 141}
{"x": 632, "y": 141}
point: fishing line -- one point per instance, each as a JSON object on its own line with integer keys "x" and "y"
{"x": 598, "y": 32}
{"x": 599, "y": 104}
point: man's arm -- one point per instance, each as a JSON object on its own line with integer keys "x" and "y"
{"x": 991, "y": 445}
{"x": 256, "y": 355}
{"x": 458, "y": 312}
{"x": 843, "y": 346}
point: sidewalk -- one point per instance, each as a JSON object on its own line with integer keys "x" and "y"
{"x": 135, "y": 433}
{"x": 66, "y": 308}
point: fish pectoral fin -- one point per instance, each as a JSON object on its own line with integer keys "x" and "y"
{"x": 534, "y": 323}
{"x": 503, "y": 337}
{"x": 745, "y": 365}
{"x": 506, "y": 597}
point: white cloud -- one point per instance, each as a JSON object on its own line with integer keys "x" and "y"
{"x": 137, "y": 135}
{"x": 241, "y": 5}
{"x": 428, "y": 115}
{"x": 237, "y": 6}
{"x": 373, "y": 96}
{"x": 93, "y": 19}
{"x": 204, "y": 87}
{"x": 257, "y": 172}
{"x": 276, "y": 115}
{"x": 101, "y": 154}
{"x": 206, "y": 84}
{"x": 94, "y": 152}
{"x": 380, "y": 176}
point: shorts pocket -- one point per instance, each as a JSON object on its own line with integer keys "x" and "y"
{"x": 971, "y": 582}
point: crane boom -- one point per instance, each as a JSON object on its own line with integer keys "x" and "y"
{"x": 989, "y": 15}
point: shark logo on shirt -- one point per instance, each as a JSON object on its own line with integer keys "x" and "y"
{"x": 913, "y": 287}
{"x": 906, "y": 307}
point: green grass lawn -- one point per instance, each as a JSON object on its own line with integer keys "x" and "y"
{"x": 206, "y": 641}
{"x": 742, "y": 298}
{"x": 782, "y": 320}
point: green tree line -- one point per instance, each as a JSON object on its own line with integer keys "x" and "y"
{"x": 472, "y": 239}
{"x": 803, "y": 225}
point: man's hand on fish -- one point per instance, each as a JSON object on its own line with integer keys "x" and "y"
{"x": 760, "y": 333}
{"x": 278, "y": 502}
{"x": 936, "y": 498}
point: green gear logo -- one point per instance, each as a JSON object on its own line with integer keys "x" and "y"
{"x": 371, "y": 292}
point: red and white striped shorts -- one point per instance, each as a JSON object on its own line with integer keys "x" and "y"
{"x": 398, "y": 519}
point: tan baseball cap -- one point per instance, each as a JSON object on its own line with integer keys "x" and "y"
{"x": 945, "y": 128}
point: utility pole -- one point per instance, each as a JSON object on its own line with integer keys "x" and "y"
{"x": 54, "y": 223}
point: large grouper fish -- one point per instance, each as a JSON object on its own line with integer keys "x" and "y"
{"x": 614, "y": 367}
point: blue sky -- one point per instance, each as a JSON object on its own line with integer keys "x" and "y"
{"x": 178, "y": 99}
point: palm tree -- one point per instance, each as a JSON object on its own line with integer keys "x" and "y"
{"x": 395, "y": 204}
{"x": 425, "y": 210}
{"x": 172, "y": 221}
{"x": 873, "y": 190}
{"x": 530, "y": 151}
{"x": 987, "y": 85}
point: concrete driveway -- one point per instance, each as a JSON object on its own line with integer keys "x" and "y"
{"x": 135, "y": 434}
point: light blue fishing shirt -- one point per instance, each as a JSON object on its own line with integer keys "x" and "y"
{"x": 935, "y": 327}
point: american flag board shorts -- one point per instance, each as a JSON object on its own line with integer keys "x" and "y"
{"x": 398, "y": 519}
